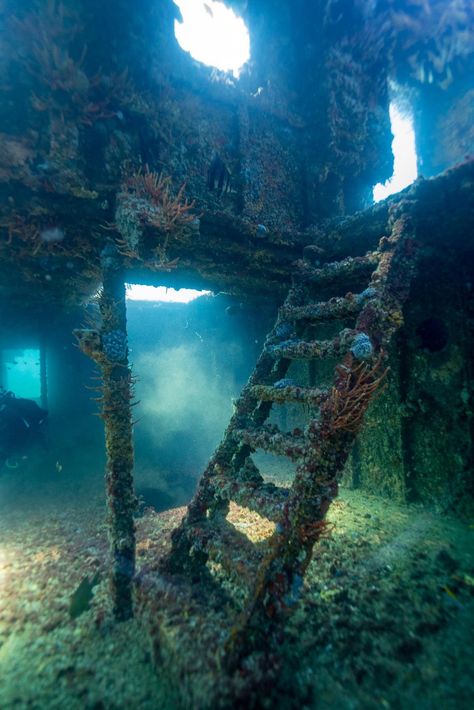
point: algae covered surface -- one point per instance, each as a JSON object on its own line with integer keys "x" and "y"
{"x": 385, "y": 617}
{"x": 50, "y": 658}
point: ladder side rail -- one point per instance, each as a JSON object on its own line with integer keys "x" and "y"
{"x": 315, "y": 485}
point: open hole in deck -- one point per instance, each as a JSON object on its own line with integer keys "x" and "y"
{"x": 250, "y": 523}
{"x": 278, "y": 470}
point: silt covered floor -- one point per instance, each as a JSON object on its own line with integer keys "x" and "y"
{"x": 385, "y": 619}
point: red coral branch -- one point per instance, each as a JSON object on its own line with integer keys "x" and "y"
{"x": 351, "y": 395}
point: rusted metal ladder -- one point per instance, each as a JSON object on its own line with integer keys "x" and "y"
{"x": 273, "y": 570}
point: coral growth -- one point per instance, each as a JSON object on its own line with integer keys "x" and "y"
{"x": 147, "y": 200}
{"x": 51, "y": 50}
{"x": 89, "y": 342}
{"x": 166, "y": 212}
{"x": 430, "y": 40}
{"x": 349, "y": 398}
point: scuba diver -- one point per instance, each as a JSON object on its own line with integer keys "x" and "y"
{"x": 21, "y": 426}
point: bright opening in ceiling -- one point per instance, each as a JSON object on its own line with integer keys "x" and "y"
{"x": 213, "y": 34}
{"x": 138, "y": 292}
{"x": 404, "y": 153}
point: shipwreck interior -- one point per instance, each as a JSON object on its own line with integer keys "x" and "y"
{"x": 286, "y": 518}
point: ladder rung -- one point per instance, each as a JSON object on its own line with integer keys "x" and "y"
{"x": 274, "y": 441}
{"x": 309, "y": 350}
{"x": 333, "y": 271}
{"x": 265, "y": 499}
{"x": 271, "y": 571}
{"x": 340, "y": 307}
{"x": 290, "y": 393}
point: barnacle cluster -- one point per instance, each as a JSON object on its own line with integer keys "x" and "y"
{"x": 362, "y": 347}
{"x": 115, "y": 345}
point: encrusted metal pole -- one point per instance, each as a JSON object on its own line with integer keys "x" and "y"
{"x": 108, "y": 347}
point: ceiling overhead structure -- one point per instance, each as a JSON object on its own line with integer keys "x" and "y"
{"x": 93, "y": 142}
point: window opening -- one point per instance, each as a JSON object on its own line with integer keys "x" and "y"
{"x": 139, "y": 292}
{"x": 213, "y": 34}
{"x": 404, "y": 153}
{"x": 21, "y": 373}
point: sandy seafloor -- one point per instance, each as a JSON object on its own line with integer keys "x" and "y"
{"x": 385, "y": 621}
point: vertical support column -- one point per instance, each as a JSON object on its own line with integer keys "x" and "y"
{"x": 108, "y": 347}
{"x": 116, "y": 413}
